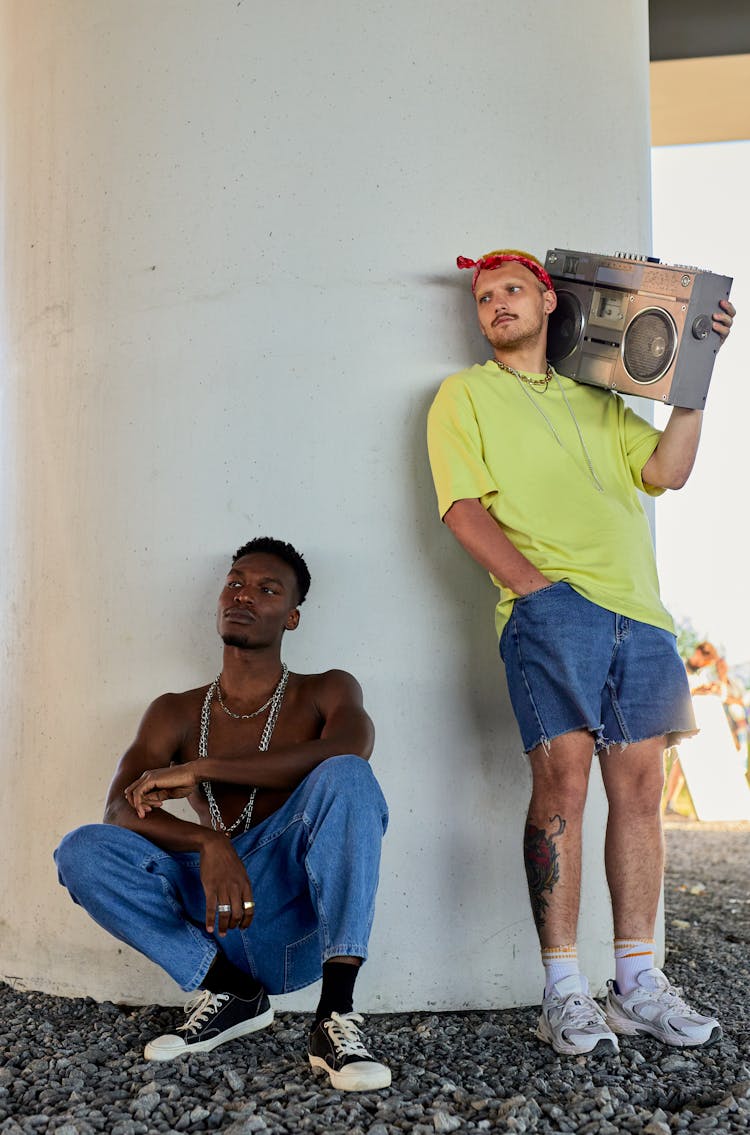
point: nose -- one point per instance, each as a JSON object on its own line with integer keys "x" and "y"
{"x": 241, "y": 596}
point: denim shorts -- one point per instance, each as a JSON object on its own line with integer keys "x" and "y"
{"x": 574, "y": 665}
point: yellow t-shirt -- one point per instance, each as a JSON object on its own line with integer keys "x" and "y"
{"x": 517, "y": 450}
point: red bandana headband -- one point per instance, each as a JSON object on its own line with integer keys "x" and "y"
{"x": 495, "y": 259}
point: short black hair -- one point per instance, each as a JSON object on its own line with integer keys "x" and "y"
{"x": 267, "y": 545}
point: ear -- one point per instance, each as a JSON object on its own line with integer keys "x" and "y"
{"x": 550, "y": 301}
{"x": 292, "y": 620}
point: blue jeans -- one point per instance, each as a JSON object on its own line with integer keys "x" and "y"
{"x": 572, "y": 664}
{"x": 313, "y": 865}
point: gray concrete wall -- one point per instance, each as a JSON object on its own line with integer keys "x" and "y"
{"x": 228, "y": 295}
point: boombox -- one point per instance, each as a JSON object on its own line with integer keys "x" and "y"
{"x": 633, "y": 324}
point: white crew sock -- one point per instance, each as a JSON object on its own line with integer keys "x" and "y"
{"x": 632, "y": 956}
{"x": 558, "y": 962}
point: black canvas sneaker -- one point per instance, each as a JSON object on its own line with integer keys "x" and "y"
{"x": 212, "y": 1019}
{"x": 336, "y": 1047}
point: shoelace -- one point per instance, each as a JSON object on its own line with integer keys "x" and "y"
{"x": 581, "y": 1011}
{"x": 200, "y": 1008}
{"x": 674, "y": 993}
{"x": 345, "y": 1035}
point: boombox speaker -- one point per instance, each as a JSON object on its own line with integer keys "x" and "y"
{"x": 633, "y": 324}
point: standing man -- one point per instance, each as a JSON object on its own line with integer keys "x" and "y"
{"x": 275, "y": 883}
{"x": 536, "y": 476}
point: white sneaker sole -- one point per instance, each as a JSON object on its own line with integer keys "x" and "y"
{"x": 626, "y": 1026}
{"x": 361, "y": 1076}
{"x": 164, "y": 1052}
{"x": 605, "y": 1046}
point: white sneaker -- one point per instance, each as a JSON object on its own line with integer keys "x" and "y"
{"x": 572, "y": 1022}
{"x": 657, "y": 1008}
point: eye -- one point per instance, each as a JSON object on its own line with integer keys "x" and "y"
{"x": 484, "y": 299}
{"x": 514, "y": 288}
{"x": 268, "y": 590}
{"x": 233, "y": 583}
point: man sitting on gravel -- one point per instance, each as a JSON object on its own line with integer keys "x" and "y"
{"x": 275, "y": 884}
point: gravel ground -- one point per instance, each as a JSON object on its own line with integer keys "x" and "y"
{"x": 75, "y": 1067}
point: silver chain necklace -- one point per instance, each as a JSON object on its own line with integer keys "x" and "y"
{"x": 217, "y": 822}
{"x": 240, "y": 716}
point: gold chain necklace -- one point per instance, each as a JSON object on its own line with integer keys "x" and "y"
{"x": 539, "y": 384}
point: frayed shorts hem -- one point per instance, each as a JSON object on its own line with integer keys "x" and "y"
{"x": 545, "y": 742}
{"x": 602, "y": 744}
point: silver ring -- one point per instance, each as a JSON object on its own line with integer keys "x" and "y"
{"x": 224, "y": 909}
{"x": 248, "y": 905}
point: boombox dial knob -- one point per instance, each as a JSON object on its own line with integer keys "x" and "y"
{"x": 701, "y": 327}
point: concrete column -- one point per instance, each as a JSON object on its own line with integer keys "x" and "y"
{"x": 228, "y": 295}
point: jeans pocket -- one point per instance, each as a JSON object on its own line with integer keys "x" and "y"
{"x": 302, "y": 962}
{"x": 540, "y": 591}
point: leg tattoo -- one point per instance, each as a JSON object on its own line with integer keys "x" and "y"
{"x": 541, "y": 859}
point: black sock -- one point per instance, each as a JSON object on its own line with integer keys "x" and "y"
{"x": 337, "y": 994}
{"x": 223, "y": 977}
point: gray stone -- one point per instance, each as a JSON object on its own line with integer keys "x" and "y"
{"x": 246, "y": 1126}
{"x": 480, "y": 1103}
{"x": 233, "y": 1079}
{"x": 198, "y": 1114}
{"x": 146, "y": 1102}
{"x": 656, "y": 1127}
{"x": 675, "y": 1063}
{"x": 442, "y": 1121}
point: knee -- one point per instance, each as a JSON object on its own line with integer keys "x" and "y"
{"x": 561, "y": 791}
{"x": 649, "y": 792}
{"x": 80, "y": 855}
{"x": 350, "y": 779}
{"x": 639, "y": 793}
{"x": 343, "y": 772}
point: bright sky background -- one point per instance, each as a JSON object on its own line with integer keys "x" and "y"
{"x": 702, "y": 540}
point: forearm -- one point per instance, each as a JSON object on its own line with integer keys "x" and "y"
{"x": 671, "y": 463}
{"x": 485, "y": 541}
{"x": 166, "y": 831}
{"x": 280, "y": 768}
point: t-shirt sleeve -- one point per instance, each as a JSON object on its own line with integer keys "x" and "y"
{"x": 454, "y": 443}
{"x": 640, "y": 440}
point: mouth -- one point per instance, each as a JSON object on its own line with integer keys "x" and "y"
{"x": 238, "y": 615}
{"x": 499, "y": 320}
